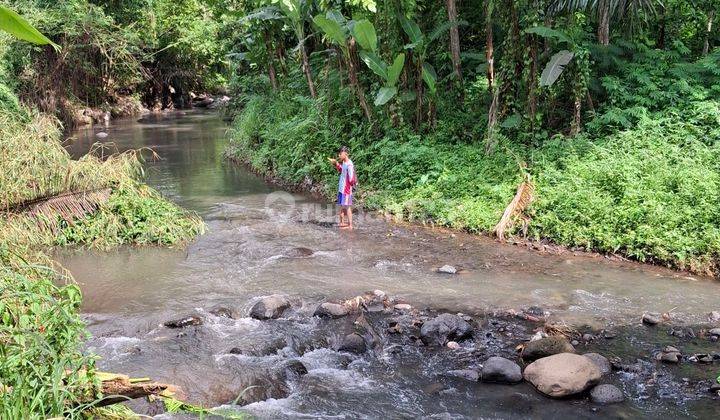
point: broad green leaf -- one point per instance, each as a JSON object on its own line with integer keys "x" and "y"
{"x": 375, "y": 63}
{"x": 412, "y": 30}
{"x": 555, "y": 67}
{"x": 17, "y": 26}
{"x": 546, "y": 32}
{"x": 384, "y": 95}
{"x": 332, "y": 29}
{"x": 393, "y": 72}
{"x": 364, "y": 33}
{"x": 337, "y": 17}
{"x": 513, "y": 121}
{"x": 429, "y": 76}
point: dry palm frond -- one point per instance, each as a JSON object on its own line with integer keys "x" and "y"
{"x": 560, "y": 330}
{"x": 514, "y": 211}
{"x": 47, "y": 212}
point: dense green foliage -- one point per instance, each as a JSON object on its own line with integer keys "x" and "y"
{"x": 621, "y": 143}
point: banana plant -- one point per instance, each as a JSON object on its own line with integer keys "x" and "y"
{"x": 364, "y": 33}
{"x": 20, "y": 28}
{"x": 294, "y": 12}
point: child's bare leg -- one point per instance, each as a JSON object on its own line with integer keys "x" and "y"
{"x": 348, "y": 214}
{"x": 342, "y": 217}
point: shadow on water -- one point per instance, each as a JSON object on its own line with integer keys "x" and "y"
{"x": 251, "y": 250}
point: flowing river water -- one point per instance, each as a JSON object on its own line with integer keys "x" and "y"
{"x": 256, "y": 245}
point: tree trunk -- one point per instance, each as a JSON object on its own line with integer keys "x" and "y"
{"x": 454, "y": 39}
{"x": 706, "y": 46}
{"x": 489, "y": 53}
{"x": 308, "y": 72}
{"x": 352, "y": 73}
{"x": 532, "y": 83}
{"x": 271, "y": 64}
{"x": 576, "y": 122}
{"x": 418, "y": 94}
{"x": 661, "y": 29}
{"x": 603, "y": 30}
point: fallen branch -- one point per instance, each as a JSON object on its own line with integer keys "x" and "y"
{"x": 119, "y": 388}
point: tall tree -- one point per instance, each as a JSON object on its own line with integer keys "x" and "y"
{"x": 454, "y": 38}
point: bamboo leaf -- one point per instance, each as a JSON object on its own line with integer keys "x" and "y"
{"x": 555, "y": 67}
{"x": 364, "y": 33}
{"x": 384, "y": 95}
{"x": 17, "y": 26}
{"x": 393, "y": 72}
{"x": 332, "y": 29}
{"x": 375, "y": 63}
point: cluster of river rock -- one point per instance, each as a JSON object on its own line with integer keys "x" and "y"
{"x": 513, "y": 346}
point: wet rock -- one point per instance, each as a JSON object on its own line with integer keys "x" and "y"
{"x": 444, "y": 328}
{"x": 547, "y": 346}
{"x": 606, "y": 394}
{"x": 682, "y": 332}
{"x": 588, "y": 337}
{"x": 222, "y": 312}
{"x": 101, "y": 135}
{"x": 299, "y": 252}
{"x": 403, "y": 307}
{"x": 600, "y": 361}
{"x": 270, "y": 307}
{"x": 715, "y": 332}
{"x": 701, "y": 358}
{"x": 535, "y": 310}
{"x": 651, "y": 318}
{"x": 452, "y": 345}
{"x": 375, "y": 307}
{"x": 353, "y": 343}
{"x": 187, "y": 321}
{"x": 714, "y": 316}
{"x": 501, "y": 370}
{"x": 669, "y": 354}
{"x": 292, "y": 368}
{"x": 379, "y": 293}
{"x": 609, "y": 334}
{"x": 467, "y": 374}
{"x": 331, "y": 310}
{"x": 715, "y": 388}
{"x": 575, "y": 343}
{"x": 562, "y": 374}
{"x": 447, "y": 269}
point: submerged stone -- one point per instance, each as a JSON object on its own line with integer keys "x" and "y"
{"x": 447, "y": 269}
{"x": 353, "y": 343}
{"x": 651, "y": 318}
{"x": 270, "y": 307}
{"x": 188, "y": 321}
{"x": 467, "y": 374}
{"x": 444, "y": 328}
{"x": 331, "y": 310}
{"x": 222, "y": 312}
{"x": 501, "y": 370}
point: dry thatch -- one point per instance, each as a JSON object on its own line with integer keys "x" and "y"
{"x": 48, "y": 212}
{"x": 515, "y": 210}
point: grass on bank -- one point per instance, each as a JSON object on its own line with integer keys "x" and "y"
{"x": 649, "y": 192}
{"x": 43, "y": 372}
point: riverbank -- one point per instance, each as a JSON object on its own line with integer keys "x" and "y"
{"x": 49, "y": 201}
{"x": 647, "y": 193}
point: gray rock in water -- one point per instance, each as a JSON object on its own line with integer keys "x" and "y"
{"x": 270, "y": 307}
{"x": 101, "y": 135}
{"x": 447, "y": 269}
{"x": 467, "y": 374}
{"x": 299, "y": 252}
{"x": 714, "y": 332}
{"x": 651, "y": 318}
{"x": 188, "y": 321}
{"x": 600, "y": 361}
{"x": 331, "y": 310}
{"x": 562, "y": 374}
{"x": 353, "y": 343}
{"x": 501, "y": 370}
{"x": 547, "y": 346}
{"x": 714, "y": 316}
{"x": 222, "y": 312}
{"x": 444, "y": 328}
{"x": 606, "y": 394}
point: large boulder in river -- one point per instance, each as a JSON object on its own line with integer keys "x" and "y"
{"x": 545, "y": 347}
{"x": 444, "y": 328}
{"x": 501, "y": 370}
{"x": 331, "y": 310}
{"x": 353, "y": 343}
{"x": 562, "y": 374}
{"x": 270, "y": 307}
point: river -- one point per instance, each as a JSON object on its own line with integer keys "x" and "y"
{"x": 250, "y": 250}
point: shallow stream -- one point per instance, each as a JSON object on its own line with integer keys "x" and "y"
{"x": 262, "y": 240}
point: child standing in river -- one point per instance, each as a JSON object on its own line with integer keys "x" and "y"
{"x": 346, "y": 185}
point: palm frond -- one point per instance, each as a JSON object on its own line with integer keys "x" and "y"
{"x": 49, "y": 211}
{"x": 523, "y": 197}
